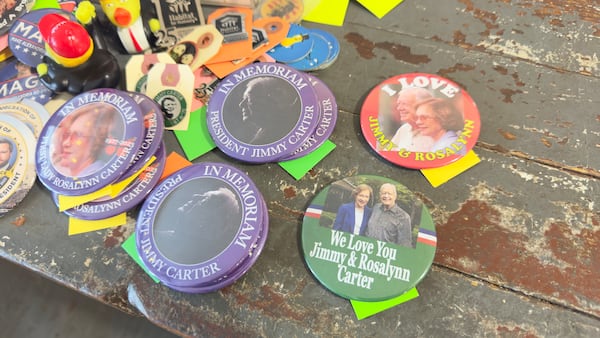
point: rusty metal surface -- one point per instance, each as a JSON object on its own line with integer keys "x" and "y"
{"x": 517, "y": 234}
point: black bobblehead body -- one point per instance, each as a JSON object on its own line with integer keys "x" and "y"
{"x": 100, "y": 71}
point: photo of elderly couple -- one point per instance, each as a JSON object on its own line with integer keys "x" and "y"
{"x": 373, "y": 208}
{"x": 417, "y": 121}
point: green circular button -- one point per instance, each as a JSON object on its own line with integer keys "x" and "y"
{"x": 368, "y": 238}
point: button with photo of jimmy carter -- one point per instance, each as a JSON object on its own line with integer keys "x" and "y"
{"x": 420, "y": 120}
{"x": 89, "y": 142}
{"x": 198, "y": 224}
{"x": 238, "y": 271}
{"x": 368, "y": 238}
{"x": 17, "y": 162}
{"x": 262, "y": 112}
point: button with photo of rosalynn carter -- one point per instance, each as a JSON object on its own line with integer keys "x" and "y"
{"x": 127, "y": 199}
{"x": 89, "y": 142}
{"x": 153, "y": 132}
{"x": 17, "y": 162}
{"x": 262, "y": 112}
{"x": 199, "y": 224}
{"x": 368, "y": 238}
{"x": 420, "y": 120}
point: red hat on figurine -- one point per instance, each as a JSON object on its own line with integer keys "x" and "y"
{"x": 66, "y": 38}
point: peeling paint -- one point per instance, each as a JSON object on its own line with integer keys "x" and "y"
{"x": 549, "y": 257}
{"x": 586, "y": 64}
{"x": 507, "y": 135}
{"x": 366, "y": 49}
{"x": 524, "y": 175}
{"x": 510, "y": 47}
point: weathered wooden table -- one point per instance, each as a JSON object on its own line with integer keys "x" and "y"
{"x": 517, "y": 234}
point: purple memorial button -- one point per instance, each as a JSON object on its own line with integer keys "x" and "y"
{"x": 239, "y": 270}
{"x": 262, "y": 112}
{"x": 130, "y": 197}
{"x": 89, "y": 142}
{"x": 198, "y": 224}
{"x": 153, "y": 132}
{"x": 327, "y": 119}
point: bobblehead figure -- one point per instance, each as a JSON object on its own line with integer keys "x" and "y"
{"x": 71, "y": 63}
{"x": 136, "y": 35}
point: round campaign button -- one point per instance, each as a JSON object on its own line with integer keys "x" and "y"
{"x": 198, "y": 224}
{"x": 238, "y": 271}
{"x": 317, "y": 56}
{"x": 334, "y": 46}
{"x": 294, "y": 47}
{"x": 89, "y": 142}
{"x": 18, "y": 80}
{"x": 24, "y": 38}
{"x": 327, "y": 118}
{"x": 131, "y": 196}
{"x": 10, "y": 12}
{"x": 153, "y": 132}
{"x": 420, "y": 120}
{"x": 289, "y": 10}
{"x": 368, "y": 238}
{"x": 17, "y": 162}
{"x": 262, "y": 112}
{"x": 25, "y": 110}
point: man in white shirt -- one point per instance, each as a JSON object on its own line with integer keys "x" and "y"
{"x": 407, "y": 137}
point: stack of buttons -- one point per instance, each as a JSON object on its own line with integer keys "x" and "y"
{"x": 19, "y": 129}
{"x": 307, "y": 49}
{"x": 99, "y": 138}
{"x": 268, "y": 112}
{"x": 202, "y": 227}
